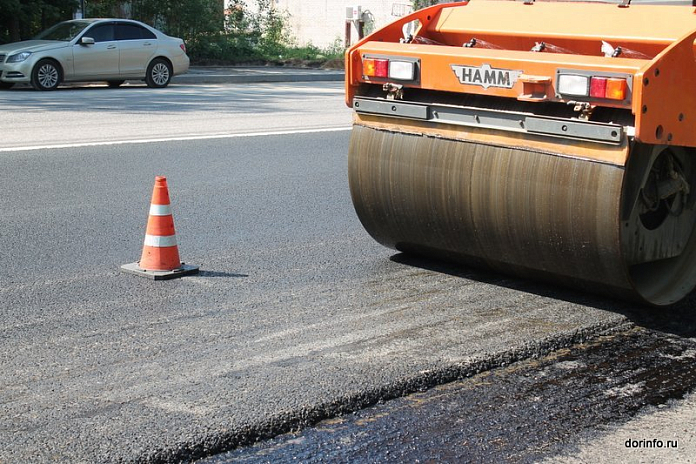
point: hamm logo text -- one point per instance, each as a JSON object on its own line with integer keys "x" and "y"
{"x": 485, "y": 76}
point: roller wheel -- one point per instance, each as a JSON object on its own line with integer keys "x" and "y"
{"x": 622, "y": 230}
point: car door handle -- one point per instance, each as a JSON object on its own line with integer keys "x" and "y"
{"x": 111, "y": 47}
{"x": 147, "y": 44}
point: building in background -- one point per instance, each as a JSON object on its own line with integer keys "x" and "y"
{"x": 323, "y": 22}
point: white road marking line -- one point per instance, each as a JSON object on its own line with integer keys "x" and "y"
{"x": 173, "y": 139}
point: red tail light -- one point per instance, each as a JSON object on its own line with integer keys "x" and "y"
{"x": 183, "y": 47}
{"x": 598, "y": 87}
{"x": 375, "y": 67}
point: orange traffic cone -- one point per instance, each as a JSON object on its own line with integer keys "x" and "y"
{"x": 160, "y": 258}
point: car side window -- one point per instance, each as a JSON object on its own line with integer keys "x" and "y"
{"x": 132, "y": 32}
{"x": 101, "y": 33}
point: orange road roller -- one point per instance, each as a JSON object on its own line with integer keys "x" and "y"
{"x": 549, "y": 140}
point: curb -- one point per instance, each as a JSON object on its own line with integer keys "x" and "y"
{"x": 259, "y": 77}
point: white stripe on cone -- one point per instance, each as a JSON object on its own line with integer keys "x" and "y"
{"x": 160, "y": 210}
{"x": 160, "y": 240}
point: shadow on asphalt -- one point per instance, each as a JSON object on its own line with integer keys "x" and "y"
{"x": 678, "y": 319}
{"x": 136, "y": 97}
{"x": 521, "y": 412}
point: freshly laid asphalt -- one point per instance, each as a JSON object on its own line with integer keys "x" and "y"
{"x": 297, "y": 314}
{"x": 528, "y": 412}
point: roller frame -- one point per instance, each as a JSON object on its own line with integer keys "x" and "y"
{"x": 573, "y": 129}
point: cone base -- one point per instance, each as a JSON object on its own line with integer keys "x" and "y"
{"x": 134, "y": 268}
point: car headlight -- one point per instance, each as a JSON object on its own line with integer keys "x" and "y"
{"x": 19, "y": 57}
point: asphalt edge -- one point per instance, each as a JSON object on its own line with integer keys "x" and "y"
{"x": 210, "y": 445}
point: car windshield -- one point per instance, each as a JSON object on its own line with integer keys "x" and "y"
{"x": 65, "y": 31}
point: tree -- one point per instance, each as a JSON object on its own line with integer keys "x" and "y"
{"x": 20, "y": 20}
{"x": 106, "y": 9}
{"x": 240, "y": 34}
{"x": 420, "y": 4}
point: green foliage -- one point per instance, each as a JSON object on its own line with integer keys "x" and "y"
{"x": 180, "y": 18}
{"x": 103, "y": 9}
{"x": 212, "y": 35}
{"x": 258, "y": 36}
{"x": 272, "y": 25}
{"x": 22, "y": 19}
{"x": 419, "y": 4}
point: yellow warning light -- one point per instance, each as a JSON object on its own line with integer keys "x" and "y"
{"x": 369, "y": 67}
{"x": 616, "y": 89}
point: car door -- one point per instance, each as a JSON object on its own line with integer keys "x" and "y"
{"x": 137, "y": 47}
{"x": 98, "y": 60}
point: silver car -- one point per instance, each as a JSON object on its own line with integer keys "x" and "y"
{"x": 111, "y": 50}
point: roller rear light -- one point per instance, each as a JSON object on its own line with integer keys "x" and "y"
{"x": 402, "y": 70}
{"x": 570, "y": 84}
{"x": 616, "y": 89}
{"x": 375, "y": 67}
{"x": 598, "y": 87}
{"x": 397, "y": 68}
{"x": 593, "y": 86}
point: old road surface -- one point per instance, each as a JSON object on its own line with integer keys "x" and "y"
{"x": 298, "y": 317}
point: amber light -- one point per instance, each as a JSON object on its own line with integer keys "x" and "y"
{"x": 375, "y": 67}
{"x": 368, "y": 67}
{"x": 616, "y": 89}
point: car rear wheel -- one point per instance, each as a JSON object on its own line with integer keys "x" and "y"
{"x": 46, "y": 75}
{"x": 6, "y": 85}
{"x": 114, "y": 84}
{"x": 159, "y": 73}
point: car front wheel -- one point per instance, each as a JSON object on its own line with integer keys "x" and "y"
{"x": 159, "y": 73}
{"x": 46, "y": 75}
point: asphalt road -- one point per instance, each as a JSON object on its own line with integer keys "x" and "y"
{"x": 572, "y": 405}
{"x": 96, "y": 114}
{"x": 296, "y": 316}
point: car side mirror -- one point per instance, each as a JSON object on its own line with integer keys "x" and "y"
{"x": 86, "y": 41}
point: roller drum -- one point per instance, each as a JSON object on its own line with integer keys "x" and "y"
{"x": 520, "y": 211}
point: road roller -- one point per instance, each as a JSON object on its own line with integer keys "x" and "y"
{"x": 548, "y": 140}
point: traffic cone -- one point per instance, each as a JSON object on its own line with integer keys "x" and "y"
{"x": 160, "y": 258}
